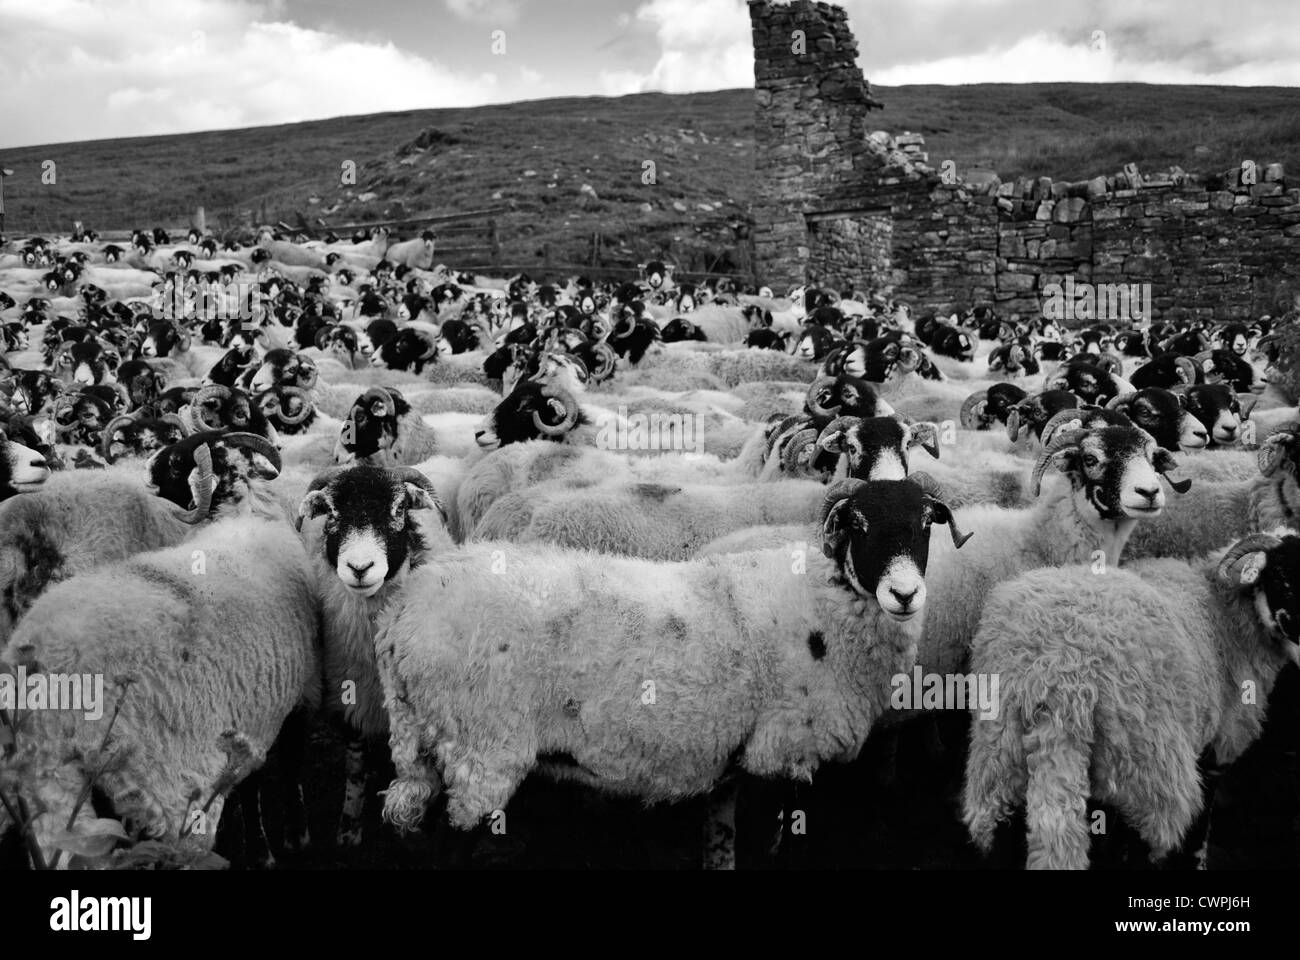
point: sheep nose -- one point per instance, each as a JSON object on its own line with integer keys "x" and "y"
{"x": 359, "y": 571}
{"x": 904, "y": 599}
{"x": 1149, "y": 492}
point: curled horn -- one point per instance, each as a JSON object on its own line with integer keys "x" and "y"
{"x": 177, "y": 421}
{"x": 839, "y": 490}
{"x": 201, "y": 486}
{"x": 106, "y": 439}
{"x": 909, "y": 358}
{"x": 834, "y": 427}
{"x": 308, "y": 407}
{"x": 1111, "y": 364}
{"x": 619, "y": 332}
{"x": 207, "y": 392}
{"x": 1199, "y": 361}
{"x": 930, "y": 487}
{"x": 811, "y": 398}
{"x": 377, "y": 393}
{"x": 606, "y": 361}
{"x": 64, "y": 349}
{"x": 1120, "y": 400}
{"x": 1074, "y": 415}
{"x": 411, "y": 475}
{"x": 1013, "y": 423}
{"x": 1062, "y": 443}
{"x": 972, "y": 410}
{"x": 1274, "y": 448}
{"x": 571, "y": 410}
{"x": 257, "y": 444}
{"x": 1254, "y": 543}
{"x": 1186, "y": 369}
{"x": 800, "y": 442}
{"x": 120, "y": 389}
{"x": 309, "y": 372}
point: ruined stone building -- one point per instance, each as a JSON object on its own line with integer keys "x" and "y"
{"x": 838, "y": 204}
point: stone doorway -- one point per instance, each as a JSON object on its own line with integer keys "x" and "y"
{"x": 850, "y": 249}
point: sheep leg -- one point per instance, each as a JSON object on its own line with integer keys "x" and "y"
{"x": 1056, "y": 799}
{"x": 293, "y": 751}
{"x": 720, "y": 828}
{"x": 354, "y": 790}
{"x": 257, "y": 849}
{"x": 1168, "y": 802}
{"x": 995, "y": 778}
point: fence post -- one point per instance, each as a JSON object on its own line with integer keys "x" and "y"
{"x": 201, "y": 220}
{"x": 494, "y": 242}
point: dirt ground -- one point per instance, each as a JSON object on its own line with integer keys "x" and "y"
{"x": 854, "y": 816}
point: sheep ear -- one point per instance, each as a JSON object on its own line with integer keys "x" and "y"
{"x": 940, "y": 512}
{"x": 418, "y": 498}
{"x": 1164, "y": 461}
{"x": 313, "y": 505}
{"x": 926, "y": 435}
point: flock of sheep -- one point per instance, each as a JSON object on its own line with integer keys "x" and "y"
{"x": 650, "y": 537}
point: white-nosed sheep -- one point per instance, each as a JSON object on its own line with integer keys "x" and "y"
{"x": 1214, "y": 513}
{"x": 496, "y": 661}
{"x": 1112, "y": 685}
{"x": 1112, "y": 483}
{"x": 376, "y": 530}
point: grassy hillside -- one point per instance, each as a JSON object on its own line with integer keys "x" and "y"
{"x": 536, "y": 157}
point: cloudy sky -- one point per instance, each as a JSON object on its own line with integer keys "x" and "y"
{"x": 89, "y": 69}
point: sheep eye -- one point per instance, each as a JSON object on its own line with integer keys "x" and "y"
{"x": 1089, "y": 460}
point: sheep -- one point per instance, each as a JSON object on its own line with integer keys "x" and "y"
{"x": 656, "y": 521}
{"x": 228, "y": 646}
{"x": 382, "y": 429}
{"x": 759, "y": 668}
{"x": 375, "y": 532}
{"x": 1112, "y": 483}
{"x": 1216, "y": 512}
{"x": 22, "y": 469}
{"x": 733, "y": 366}
{"x": 1113, "y": 685}
{"x": 518, "y": 466}
{"x": 79, "y": 521}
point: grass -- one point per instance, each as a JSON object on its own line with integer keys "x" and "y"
{"x": 701, "y": 144}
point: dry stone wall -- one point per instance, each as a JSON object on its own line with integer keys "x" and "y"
{"x": 837, "y": 204}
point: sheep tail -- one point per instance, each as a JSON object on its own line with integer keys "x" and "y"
{"x": 405, "y": 801}
{"x": 1056, "y": 798}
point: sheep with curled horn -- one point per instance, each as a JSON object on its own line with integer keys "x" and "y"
{"x": 983, "y": 408}
{"x": 382, "y": 429}
{"x": 139, "y": 435}
{"x": 1165, "y": 415}
{"x": 218, "y": 407}
{"x": 1216, "y": 512}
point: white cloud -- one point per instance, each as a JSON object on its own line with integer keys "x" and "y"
{"x": 89, "y": 71}
{"x": 485, "y": 11}
{"x": 704, "y": 45}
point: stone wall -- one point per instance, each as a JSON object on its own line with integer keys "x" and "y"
{"x": 840, "y": 206}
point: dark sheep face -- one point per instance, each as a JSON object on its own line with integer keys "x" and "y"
{"x": 879, "y": 537}
{"x": 371, "y": 425}
{"x": 368, "y": 538}
{"x": 169, "y": 470}
{"x": 1277, "y": 586}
